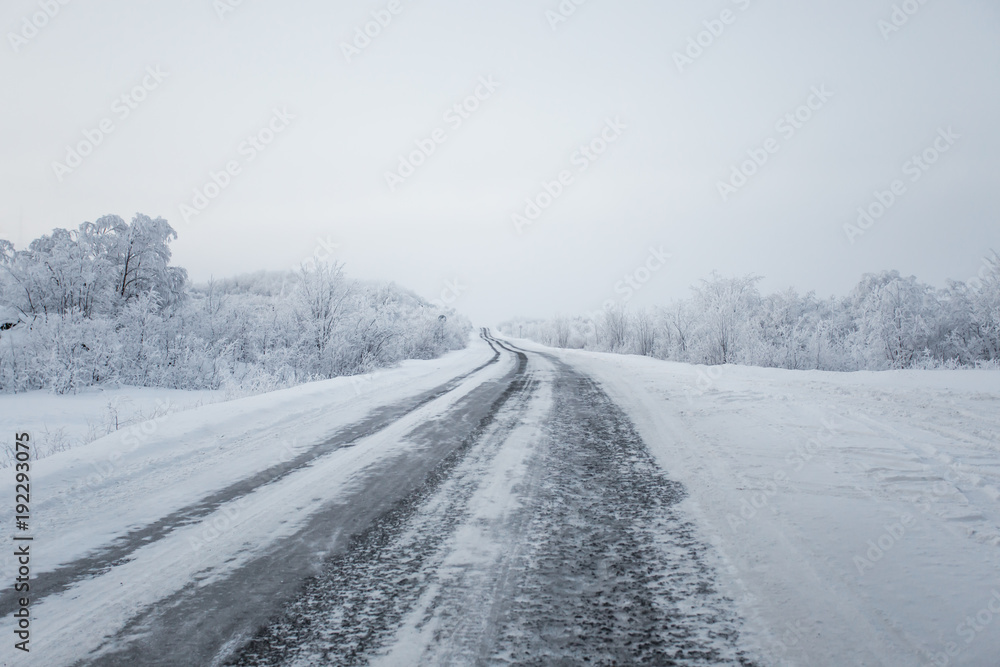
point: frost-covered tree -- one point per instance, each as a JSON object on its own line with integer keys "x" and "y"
{"x": 887, "y": 321}
{"x": 613, "y": 328}
{"x": 643, "y": 333}
{"x": 985, "y": 307}
{"x": 895, "y": 319}
{"x": 725, "y": 307}
{"x": 102, "y": 304}
{"x": 141, "y": 257}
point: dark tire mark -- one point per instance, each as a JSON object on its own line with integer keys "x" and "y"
{"x": 612, "y": 572}
{"x": 192, "y": 626}
{"x": 360, "y": 597}
{"x": 601, "y": 567}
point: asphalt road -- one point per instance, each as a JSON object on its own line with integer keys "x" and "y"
{"x": 527, "y": 524}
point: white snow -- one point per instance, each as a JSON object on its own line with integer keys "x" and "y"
{"x": 856, "y": 514}
{"x": 60, "y": 422}
{"x": 86, "y": 497}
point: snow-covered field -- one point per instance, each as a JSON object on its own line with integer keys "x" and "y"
{"x": 858, "y": 514}
{"x": 61, "y": 422}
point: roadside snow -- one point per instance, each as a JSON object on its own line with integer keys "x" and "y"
{"x": 60, "y": 422}
{"x": 85, "y": 498}
{"x": 144, "y": 472}
{"x": 857, "y": 514}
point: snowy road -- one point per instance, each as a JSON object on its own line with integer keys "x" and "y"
{"x": 548, "y": 538}
{"x": 514, "y": 504}
{"x": 509, "y": 514}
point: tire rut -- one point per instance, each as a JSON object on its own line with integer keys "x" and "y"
{"x": 345, "y": 613}
{"x": 612, "y": 572}
{"x": 121, "y": 549}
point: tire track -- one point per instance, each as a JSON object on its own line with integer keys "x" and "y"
{"x": 349, "y": 610}
{"x": 205, "y": 622}
{"x": 612, "y": 571}
{"x": 120, "y": 550}
{"x": 598, "y": 565}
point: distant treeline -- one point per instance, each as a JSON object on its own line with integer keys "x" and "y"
{"x": 888, "y": 321}
{"x": 101, "y": 304}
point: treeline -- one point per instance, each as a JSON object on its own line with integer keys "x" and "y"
{"x": 102, "y": 304}
{"x": 887, "y": 322}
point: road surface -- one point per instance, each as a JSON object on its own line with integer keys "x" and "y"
{"x": 511, "y": 515}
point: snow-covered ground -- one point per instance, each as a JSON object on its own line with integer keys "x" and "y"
{"x": 857, "y": 514}
{"x": 61, "y": 422}
{"x": 134, "y": 478}
{"x": 146, "y": 471}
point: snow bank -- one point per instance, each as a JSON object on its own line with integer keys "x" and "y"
{"x": 61, "y": 422}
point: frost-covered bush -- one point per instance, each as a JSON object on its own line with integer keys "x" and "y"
{"x": 888, "y": 321}
{"x": 102, "y": 305}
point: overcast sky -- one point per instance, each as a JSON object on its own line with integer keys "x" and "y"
{"x": 675, "y": 118}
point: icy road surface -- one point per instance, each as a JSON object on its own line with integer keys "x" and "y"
{"x": 509, "y": 515}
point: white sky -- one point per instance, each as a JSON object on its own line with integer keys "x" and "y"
{"x": 323, "y": 176}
